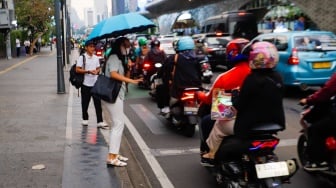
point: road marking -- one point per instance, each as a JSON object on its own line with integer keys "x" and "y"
{"x": 16, "y": 65}
{"x": 150, "y": 120}
{"x": 188, "y": 151}
{"x": 153, "y": 163}
{"x": 21, "y": 63}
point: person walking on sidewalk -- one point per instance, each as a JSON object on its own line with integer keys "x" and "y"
{"x": 88, "y": 64}
{"x": 118, "y": 68}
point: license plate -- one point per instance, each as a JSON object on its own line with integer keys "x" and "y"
{"x": 274, "y": 169}
{"x": 190, "y": 110}
{"x": 207, "y": 73}
{"x": 158, "y": 81}
{"x": 220, "y": 52}
{"x": 321, "y": 65}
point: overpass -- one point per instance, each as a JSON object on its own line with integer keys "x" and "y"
{"x": 321, "y": 12}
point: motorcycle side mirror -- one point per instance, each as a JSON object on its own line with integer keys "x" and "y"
{"x": 158, "y": 65}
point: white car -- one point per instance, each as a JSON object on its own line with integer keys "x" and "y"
{"x": 166, "y": 44}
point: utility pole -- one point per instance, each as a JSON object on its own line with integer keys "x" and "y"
{"x": 60, "y": 73}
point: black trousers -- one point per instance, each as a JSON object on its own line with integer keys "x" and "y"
{"x": 163, "y": 96}
{"x": 86, "y": 97}
{"x": 206, "y": 126}
{"x": 317, "y": 133}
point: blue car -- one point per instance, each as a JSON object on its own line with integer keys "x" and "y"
{"x": 307, "y": 58}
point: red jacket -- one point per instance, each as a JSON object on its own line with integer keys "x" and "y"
{"x": 228, "y": 80}
{"x": 325, "y": 93}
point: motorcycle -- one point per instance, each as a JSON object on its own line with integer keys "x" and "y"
{"x": 308, "y": 116}
{"x": 251, "y": 162}
{"x": 183, "y": 113}
{"x": 155, "y": 81}
{"x": 206, "y": 71}
{"x": 148, "y": 70}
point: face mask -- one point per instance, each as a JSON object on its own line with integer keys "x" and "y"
{"x": 123, "y": 51}
{"x": 128, "y": 50}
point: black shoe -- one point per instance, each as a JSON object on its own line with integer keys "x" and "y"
{"x": 207, "y": 162}
{"x": 316, "y": 166}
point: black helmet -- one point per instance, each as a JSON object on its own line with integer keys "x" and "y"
{"x": 155, "y": 42}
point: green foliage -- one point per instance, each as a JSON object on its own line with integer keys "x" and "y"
{"x": 34, "y": 17}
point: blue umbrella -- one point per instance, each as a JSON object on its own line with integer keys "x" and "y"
{"x": 120, "y": 25}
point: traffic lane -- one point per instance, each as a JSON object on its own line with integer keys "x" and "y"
{"x": 301, "y": 178}
{"x": 178, "y": 156}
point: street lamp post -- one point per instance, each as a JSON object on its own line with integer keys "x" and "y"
{"x": 60, "y": 74}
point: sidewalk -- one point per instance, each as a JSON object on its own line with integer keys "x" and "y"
{"x": 40, "y": 127}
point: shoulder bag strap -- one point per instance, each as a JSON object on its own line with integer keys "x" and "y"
{"x": 175, "y": 62}
{"x": 84, "y": 61}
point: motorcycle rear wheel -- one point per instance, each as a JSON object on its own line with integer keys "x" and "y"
{"x": 302, "y": 149}
{"x": 271, "y": 183}
{"x": 189, "y": 130}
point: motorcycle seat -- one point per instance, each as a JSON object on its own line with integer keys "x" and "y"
{"x": 268, "y": 128}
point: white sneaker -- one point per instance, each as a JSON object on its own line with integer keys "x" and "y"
{"x": 103, "y": 125}
{"x": 85, "y": 122}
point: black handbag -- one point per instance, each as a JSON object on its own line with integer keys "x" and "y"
{"x": 106, "y": 88}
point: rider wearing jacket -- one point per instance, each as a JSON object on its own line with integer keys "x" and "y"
{"x": 322, "y": 128}
{"x": 259, "y": 100}
{"x": 155, "y": 54}
{"x": 228, "y": 81}
{"x": 186, "y": 70}
{"x": 260, "y": 97}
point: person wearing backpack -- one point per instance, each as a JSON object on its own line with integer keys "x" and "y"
{"x": 88, "y": 64}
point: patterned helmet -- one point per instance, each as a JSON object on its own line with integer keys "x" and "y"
{"x": 234, "y": 50}
{"x": 263, "y": 55}
{"x": 142, "y": 41}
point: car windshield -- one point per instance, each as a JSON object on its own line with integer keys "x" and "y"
{"x": 217, "y": 41}
{"x": 324, "y": 42}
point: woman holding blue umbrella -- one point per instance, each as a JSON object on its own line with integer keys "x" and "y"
{"x": 117, "y": 68}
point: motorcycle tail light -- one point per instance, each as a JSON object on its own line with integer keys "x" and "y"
{"x": 205, "y": 66}
{"x": 264, "y": 144}
{"x": 188, "y": 96}
{"x": 146, "y": 65}
{"x": 331, "y": 143}
{"x": 99, "y": 53}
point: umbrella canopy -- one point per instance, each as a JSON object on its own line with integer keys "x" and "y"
{"x": 120, "y": 25}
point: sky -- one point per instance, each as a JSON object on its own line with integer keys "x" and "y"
{"x": 80, "y": 5}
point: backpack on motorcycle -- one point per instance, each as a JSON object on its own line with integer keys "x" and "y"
{"x": 76, "y": 79}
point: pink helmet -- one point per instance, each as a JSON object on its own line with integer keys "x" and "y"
{"x": 263, "y": 55}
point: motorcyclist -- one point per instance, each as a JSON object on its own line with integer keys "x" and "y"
{"x": 187, "y": 70}
{"x": 162, "y": 91}
{"x": 259, "y": 100}
{"x": 140, "y": 53}
{"x": 228, "y": 80}
{"x": 323, "y": 127}
{"x": 155, "y": 54}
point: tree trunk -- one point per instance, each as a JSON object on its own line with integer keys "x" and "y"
{"x": 32, "y": 44}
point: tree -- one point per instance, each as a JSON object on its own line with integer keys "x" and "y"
{"x": 35, "y": 16}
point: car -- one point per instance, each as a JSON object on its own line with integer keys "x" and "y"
{"x": 214, "y": 45}
{"x": 306, "y": 58}
{"x": 99, "y": 51}
{"x": 166, "y": 44}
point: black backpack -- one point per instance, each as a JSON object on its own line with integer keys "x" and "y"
{"x": 76, "y": 79}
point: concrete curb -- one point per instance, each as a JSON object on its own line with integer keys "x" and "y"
{"x": 133, "y": 176}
